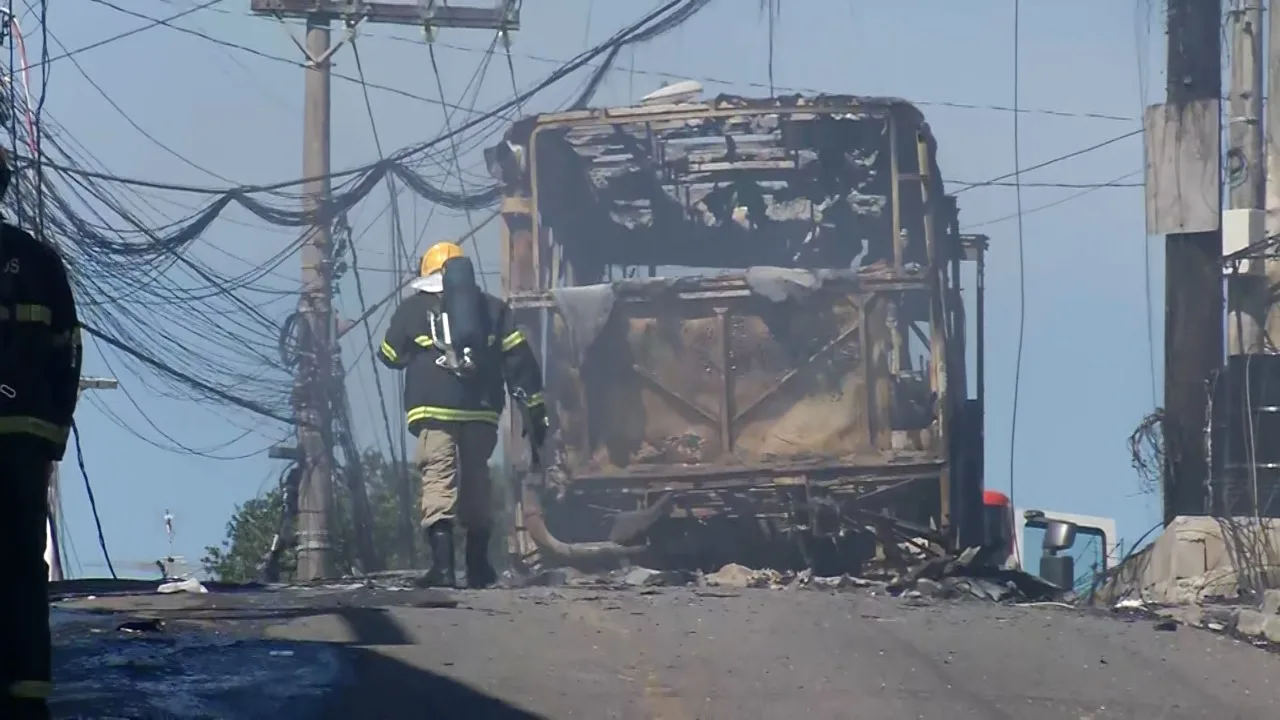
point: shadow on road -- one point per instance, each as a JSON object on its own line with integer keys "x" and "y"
{"x": 383, "y": 688}
{"x": 369, "y": 626}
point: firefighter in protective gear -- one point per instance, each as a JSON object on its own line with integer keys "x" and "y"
{"x": 461, "y": 353}
{"x": 39, "y": 383}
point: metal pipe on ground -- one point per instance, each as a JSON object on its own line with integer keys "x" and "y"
{"x": 535, "y": 524}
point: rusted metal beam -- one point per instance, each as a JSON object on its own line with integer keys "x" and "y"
{"x": 793, "y": 372}
{"x": 841, "y": 485}
{"x": 939, "y": 368}
{"x": 726, "y": 396}
{"x": 895, "y": 193}
{"x": 868, "y": 376}
{"x": 867, "y": 106}
{"x": 541, "y": 300}
{"x": 670, "y": 394}
{"x": 878, "y": 465}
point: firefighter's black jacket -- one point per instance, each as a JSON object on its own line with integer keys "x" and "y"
{"x": 40, "y": 350}
{"x": 433, "y": 393}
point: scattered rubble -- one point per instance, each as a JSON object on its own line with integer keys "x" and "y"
{"x": 1258, "y": 624}
{"x": 1204, "y": 572}
{"x": 190, "y": 585}
{"x": 1263, "y": 622}
{"x": 1199, "y": 560}
{"x": 738, "y": 576}
{"x": 930, "y": 576}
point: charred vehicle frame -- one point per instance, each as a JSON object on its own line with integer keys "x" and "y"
{"x": 804, "y": 397}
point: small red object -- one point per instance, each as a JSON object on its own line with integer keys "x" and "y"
{"x": 994, "y": 498}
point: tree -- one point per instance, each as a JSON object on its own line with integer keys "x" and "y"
{"x": 255, "y": 522}
{"x": 249, "y": 533}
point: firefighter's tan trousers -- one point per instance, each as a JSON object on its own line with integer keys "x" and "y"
{"x": 453, "y": 461}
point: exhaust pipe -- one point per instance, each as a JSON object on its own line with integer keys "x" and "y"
{"x": 536, "y": 526}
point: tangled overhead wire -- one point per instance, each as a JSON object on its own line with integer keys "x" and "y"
{"x": 156, "y": 307}
{"x": 1146, "y": 451}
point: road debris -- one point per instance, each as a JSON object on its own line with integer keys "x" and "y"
{"x": 148, "y": 625}
{"x": 738, "y": 576}
{"x": 1256, "y": 623}
{"x": 931, "y": 576}
{"x": 190, "y": 585}
{"x": 1262, "y": 623}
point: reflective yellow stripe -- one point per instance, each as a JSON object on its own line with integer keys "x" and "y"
{"x": 30, "y": 689}
{"x": 535, "y": 400}
{"x": 28, "y": 313}
{"x": 424, "y": 341}
{"x": 451, "y": 415}
{"x": 35, "y": 314}
{"x": 23, "y": 425}
{"x": 388, "y": 352}
{"x": 512, "y": 340}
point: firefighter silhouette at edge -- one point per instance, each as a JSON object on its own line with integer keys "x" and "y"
{"x": 40, "y": 358}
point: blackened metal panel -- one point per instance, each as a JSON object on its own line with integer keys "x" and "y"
{"x": 685, "y": 379}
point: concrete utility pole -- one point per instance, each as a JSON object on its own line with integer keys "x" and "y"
{"x": 316, "y": 366}
{"x": 1193, "y": 272}
{"x": 52, "y": 547}
{"x": 1243, "y": 224}
{"x": 1272, "y": 140}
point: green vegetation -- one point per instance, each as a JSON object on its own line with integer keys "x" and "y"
{"x": 255, "y": 522}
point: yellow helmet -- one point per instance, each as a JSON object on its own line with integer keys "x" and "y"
{"x": 434, "y": 258}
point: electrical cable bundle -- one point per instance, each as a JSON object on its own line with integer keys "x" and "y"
{"x": 151, "y": 301}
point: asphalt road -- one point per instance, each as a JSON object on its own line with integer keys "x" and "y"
{"x": 685, "y": 654}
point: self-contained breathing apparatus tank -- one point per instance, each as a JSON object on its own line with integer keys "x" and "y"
{"x": 464, "y": 305}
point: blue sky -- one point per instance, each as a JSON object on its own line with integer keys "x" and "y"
{"x": 1088, "y": 357}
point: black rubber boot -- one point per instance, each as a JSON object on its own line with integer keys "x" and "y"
{"x": 442, "y": 572}
{"x": 480, "y": 573}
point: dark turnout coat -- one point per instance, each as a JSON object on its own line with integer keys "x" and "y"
{"x": 415, "y": 342}
{"x": 40, "y": 347}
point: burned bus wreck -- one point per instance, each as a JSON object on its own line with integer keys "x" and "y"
{"x": 751, "y": 322}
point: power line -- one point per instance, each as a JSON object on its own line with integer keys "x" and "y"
{"x": 654, "y": 24}
{"x": 1022, "y": 268}
{"x": 114, "y": 38}
{"x": 999, "y": 181}
{"x": 1060, "y": 201}
{"x": 1052, "y": 161}
{"x": 129, "y": 119}
{"x": 457, "y": 157}
{"x": 93, "y": 502}
{"x": 402, "y": 479}
{"x": 771, "y": 8}
{"x": 259, "y": 53}
{"x": 705, "y": 79}
{"x": 1141, "y": 45}
{"x": 1061, "y": 185}
{"x": 451, "y": 135}
{"x": 712, "y": 80}
{"x": 636, "y": 32}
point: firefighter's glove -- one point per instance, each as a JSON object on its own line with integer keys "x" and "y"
{"x": 538, "y": 425}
